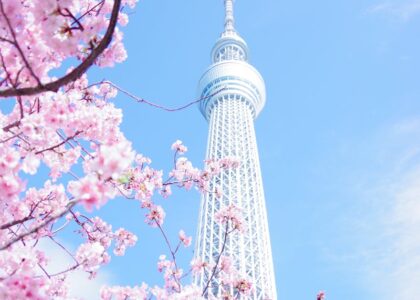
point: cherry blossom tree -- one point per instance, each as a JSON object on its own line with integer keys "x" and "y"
{"x": 70, "y": 127}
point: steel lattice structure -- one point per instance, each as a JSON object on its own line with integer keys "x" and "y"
{"x": 231, "y": 113}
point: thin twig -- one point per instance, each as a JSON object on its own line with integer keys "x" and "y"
{"x": 59, "y": 144}
{"x": 141, "y": 100}
{"x": 42, "y": 224}
{"x": 218, "y": 259}
{"x": 172, "y": 254}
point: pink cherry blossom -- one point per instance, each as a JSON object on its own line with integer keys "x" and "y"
{"x": 179, "y": 147}
{"x": 140, "y": 160}
{"x": 49, "y": 199}
{"x": 97, "y": 230}
{"x": 111, "y": 160}
{"x": 155, "y": 216}
{"x": 163, "y": 263}
{"x": 58, "y": 287}
{"x": 320, "y": 295}
{"x": 197, "y": 265}
{"x": 186, "y": 240}
{"x": 124, "y": 239}
{"x": 10, "y": 186}
{"x": 90, "y": 191}
{"x": 9, "y": 160}
{"x": 91, "y": 256}
{"x": 166, "y": 191}
{"x": 30, "y": 164}
{"x": 23, "y": 287}
{"x": 123, "y": 19}
{"x": 189, "y": 292}
{"x": 231, "y": 215}
{"x": 122, "y": 293}
{"x": 244, "y": 286}
{"x": 226, "y": 264}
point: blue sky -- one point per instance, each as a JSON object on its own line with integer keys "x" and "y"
{"x": 338, "y": 138}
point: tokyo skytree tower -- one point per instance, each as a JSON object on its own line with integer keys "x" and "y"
{"x": 231, "y": 113}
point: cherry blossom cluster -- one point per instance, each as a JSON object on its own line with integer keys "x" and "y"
{"x": 92, "y": 254}
{"x": 185, "y": 175}
{"x": 143, "y": 292}
{"x": 231, "y": 279}
{"x": 179, "y": 147}
{"x": 173, "y": 275}
{"x": 122, "y": 293}
{"x": 10, "y": 183}
{"x": 184, "y": 239}
{"x": 188, "y": 292}
{"x": 124, "y": 239}
{"x": 141, "y": 181}
{"x": 231, "y": 215}
{"x": 38, "y": 35}
{"x": 20, "y": 279}
{"x": 321, "y": 295}
{"x": 23, "y": 287}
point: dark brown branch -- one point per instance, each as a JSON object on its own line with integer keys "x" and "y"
{"x": 10, "y": 126}
{"x": 28, "y": 217}
{"x": 19, "y": 100}
{"x": 7, "y": 74}
{"x": 76, "y": 21}
{"x": 79, "y": 70}
{"x": 91, "y": 10}
{"x": 41, "y": 225}
{"x": 59, "y": 144}
{"x": 2, "y": 39}
{"x": 16, "y": 222}
{"x": 15, "y": 135}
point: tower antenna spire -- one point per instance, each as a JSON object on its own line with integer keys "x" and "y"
{"x": 229, "y": 18}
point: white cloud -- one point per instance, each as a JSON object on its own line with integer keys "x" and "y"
{"x": 402, "y": 9}
{"x": 399, "y": 265}
{"x": 393, "y": 263}
{"x": 80, "y": 287}
{"x": 382, "y": 230}
{"x": 408, "y": 126}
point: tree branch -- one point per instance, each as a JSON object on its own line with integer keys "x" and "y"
{"x": 79, "y": 70}
{"x": 41, "y": 225}
{"x": 59, "y": 144}
{"x": 172, "y": 254}
{"x": 218, "y": 259}
{"x": 141, "y": 100}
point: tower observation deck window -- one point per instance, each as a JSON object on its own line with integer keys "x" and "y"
{"x": 230, "y": 52}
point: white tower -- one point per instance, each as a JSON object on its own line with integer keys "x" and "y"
{"x": 231, "y": 115}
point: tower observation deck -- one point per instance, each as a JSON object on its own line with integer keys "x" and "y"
{"x": 231, "y": 113}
